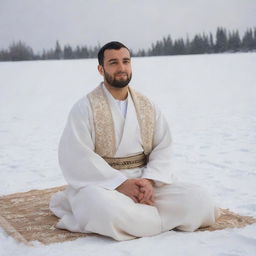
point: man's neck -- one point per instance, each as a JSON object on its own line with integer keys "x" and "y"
{"x": 117, "y": 93}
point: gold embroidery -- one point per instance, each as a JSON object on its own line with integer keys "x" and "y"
{"x": 146, "y": 117}
{"x": 128, "y": 162}
{"x": 105, "y": 143}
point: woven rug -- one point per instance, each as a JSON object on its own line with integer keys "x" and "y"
{"x": 26, "y": 217}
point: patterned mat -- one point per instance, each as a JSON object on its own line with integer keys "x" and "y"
{"x": 26, "y": 217}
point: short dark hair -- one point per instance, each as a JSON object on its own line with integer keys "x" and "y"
{"x": 114, "y": 45}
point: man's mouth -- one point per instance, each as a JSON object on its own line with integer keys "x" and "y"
{"x": 121, "y": 74}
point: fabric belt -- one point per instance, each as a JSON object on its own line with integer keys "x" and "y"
{"x": 128, "y": 162}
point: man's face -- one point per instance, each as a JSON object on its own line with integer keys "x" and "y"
{"x": 116, "y": 70}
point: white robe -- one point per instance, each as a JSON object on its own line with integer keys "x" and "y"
{"x": 91, "y": 204}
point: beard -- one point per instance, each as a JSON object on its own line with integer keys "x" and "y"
{"x": 117, "y": 83}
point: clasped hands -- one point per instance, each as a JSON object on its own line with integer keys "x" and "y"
{"x": 139, "y": 190}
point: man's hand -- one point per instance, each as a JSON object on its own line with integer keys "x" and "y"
{"x": 147, "y": 191}
{"x": 139, "y": 190}
{"x": 131, "y": 189}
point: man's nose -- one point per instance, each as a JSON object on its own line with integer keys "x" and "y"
{"x": 121, "y": 67}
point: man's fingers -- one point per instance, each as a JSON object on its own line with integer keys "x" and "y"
{"x": 140, "y": 182}
{"x": 135, "y": 199}
{"x": 148, "y": 193}
{"x": 142, "y": 189}
{"x": 136, "y": 191}
{"x": 145, "y": 198}
{"x": 141, "y": 196}
{"x": 152, "y": 197}
{"x": 148, "y": 202}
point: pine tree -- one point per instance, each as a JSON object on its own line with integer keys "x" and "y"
{"x": 179, "y": 47}
{"x": 248, "y": 41}
{"x": 234, "y": 41}
{"x": 206, "y": 43}
{"x": 187, "y": 45}
{"x": 68, "y": 52}
{"x": 141, "y": 53}
{"x": 254, "y": 39}
{"x": 84, "y": 52}
{"x": 167, "y": 46}
{"x": 199, "y": 44}
{"x": 58, "y": 52}
{"x": 211, "y": 44}
{"x": 157, "y": 49}
{"x": 50, "y": 54}
{"x": 77, "y": 52}
{"x": 4, "y": 55}
{"x": 43, "y": 57}
{"x": 20, "y": 51}
{"x": 221, "y": 40}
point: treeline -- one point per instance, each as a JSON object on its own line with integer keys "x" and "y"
{"x": 20, "y": 51}
{"x": 222, "y": 41}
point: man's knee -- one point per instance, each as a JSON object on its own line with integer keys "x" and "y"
{"x": 93, "y": 195}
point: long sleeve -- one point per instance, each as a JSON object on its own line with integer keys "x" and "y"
{"x": 159, "y": 167}
{"x": 81, "y": 166}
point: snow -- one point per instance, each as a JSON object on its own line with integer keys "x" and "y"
{"x": 210, "y": 104}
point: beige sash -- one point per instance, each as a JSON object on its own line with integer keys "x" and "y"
{"x": 105, "y": 144}
{"x": 128, "y": 162}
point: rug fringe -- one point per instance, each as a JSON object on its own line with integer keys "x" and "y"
{"x": 10, "y": 230}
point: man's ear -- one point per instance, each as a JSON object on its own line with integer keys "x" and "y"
{"x": 100, "y": 69}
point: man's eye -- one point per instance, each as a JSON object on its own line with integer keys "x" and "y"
{"x": 113, "y": 63}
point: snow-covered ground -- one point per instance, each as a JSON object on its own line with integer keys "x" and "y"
{"x": 210, "y": 103}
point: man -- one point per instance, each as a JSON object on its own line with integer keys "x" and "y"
{"x": 115, "y": 156}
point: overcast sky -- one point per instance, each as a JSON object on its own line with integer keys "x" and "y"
{"x": 137, "y": 23}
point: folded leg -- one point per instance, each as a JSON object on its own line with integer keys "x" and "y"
{"x": 185, "y": 207}
{"x": 110, "y": 213}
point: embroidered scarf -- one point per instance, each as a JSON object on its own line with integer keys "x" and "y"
{"x": 105, "y": 144}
